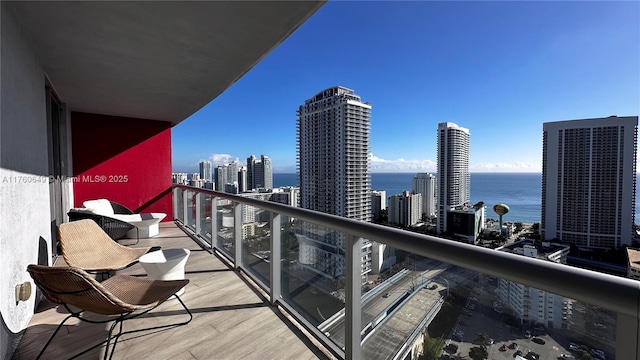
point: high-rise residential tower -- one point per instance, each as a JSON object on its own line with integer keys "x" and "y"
{"x": 220, "y": 177}
{"x": 259, "y": 173}
{"x": 333, "y": 166}
{"x": 206, "y": 170}
{"x": 405, "y": 209}
{"x": 425, "y": 184}
{"x": 242, "y": 179}
{"x": 454, "y": 181}
{"x": 589, "y": 181}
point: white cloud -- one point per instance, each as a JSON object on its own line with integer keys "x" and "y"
{"x": 400, "y": 165}
{"x": 426, "y": 165}
{"x": 221, "y": 159}
{"x": 516, "y": 166}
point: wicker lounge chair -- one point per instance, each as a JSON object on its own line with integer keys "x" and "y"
{"x": 122, "y": 296}
{"x": 115, "y": 228}
{"x": 86, "y": 246}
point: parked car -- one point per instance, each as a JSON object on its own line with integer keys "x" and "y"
{"x": 517, "y": 353}
{"x": 538, "y": 341}
{"x": 451, "y": 348}
{"x": 532, "y": 356}
{"x": 503, "y": 347}
{"x": 527, "y": 333}
{"x": 574, "y": 347}
{"x": 598, "y": 353}
{"x": 513, "y": 345}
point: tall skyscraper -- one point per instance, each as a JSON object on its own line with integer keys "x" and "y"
{"x": 242, "y": 179}
{"x": 221, "y": 177}
{"x": 589, "y": 181}
{"x": 454, "y": 182}
{"x": 267, "y": 174}
{"x": 259, "y": 174}
{"x": 425, "y": 184}
{"x": 232, "y": 172}
{"x": 205, "y": 171}
{"x": 333, "y": 144}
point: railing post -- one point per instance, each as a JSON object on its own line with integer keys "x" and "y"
{"x": 198, "y": 222}
{"x": 237, "y": 232}
{"x": 175, "y": 202}
{"x": 276, "y": 265}
{"x": 353, "y": 295}
{"x": 214, "y": 222}
{"x": 185, "y": 206}
{"x": 627, "y": 335}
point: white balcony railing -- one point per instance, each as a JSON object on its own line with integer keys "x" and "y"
{"x": 216, "y": 220}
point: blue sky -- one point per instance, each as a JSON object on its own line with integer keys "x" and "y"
{"x": 500, "y": 69}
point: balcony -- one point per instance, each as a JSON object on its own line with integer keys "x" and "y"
{"x": 258, "y": 286}
{"x": 224, "y": 306}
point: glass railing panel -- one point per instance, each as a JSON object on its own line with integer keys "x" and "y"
{"x": 225, "y": 226}
{"x": 205, "y": 217}
{"x": 256, "y": 242}
{"x": 313, "y": 275}
{"x": 461, "y": 312}
{"x": 399, "y": 301}
{"x": 191, "y": 209}
{"x": 180, "y": 205}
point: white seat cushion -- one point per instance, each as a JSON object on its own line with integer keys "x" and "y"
{"x": 100, "y": 207}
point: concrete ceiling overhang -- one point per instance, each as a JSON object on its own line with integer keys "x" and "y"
{"x": 159, "y": 60}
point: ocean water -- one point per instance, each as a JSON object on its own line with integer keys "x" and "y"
{"x": 520, "y": 191}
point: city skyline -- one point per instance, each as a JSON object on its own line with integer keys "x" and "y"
{"x": 422, "y": 63}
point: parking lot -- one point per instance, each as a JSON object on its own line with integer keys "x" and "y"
{"x": 481, "y": 317}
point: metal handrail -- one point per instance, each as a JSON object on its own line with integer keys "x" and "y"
{"x": 619, "y": 294}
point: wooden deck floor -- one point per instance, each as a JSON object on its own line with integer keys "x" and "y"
{"x": 231, "y": 320}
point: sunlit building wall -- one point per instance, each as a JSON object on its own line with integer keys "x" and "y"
{"x": 589, "y": 181}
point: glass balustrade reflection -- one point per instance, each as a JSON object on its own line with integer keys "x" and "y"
{"x": 179, "y": 205}
{"x": 224, "y": 219}
{"x": 313, "y": 274}
{"x": 451, "y": 312}
{"x": 256, "y": 242}
{"x": 205, "y": 217}
{"x": 411, "y": 303}
{"x": 191, "y": 209}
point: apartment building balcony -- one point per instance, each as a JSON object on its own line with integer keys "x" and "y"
{"x": 91, "y": 90}
{"x": 69, "y": 67}
{"x": 232, "y": 319}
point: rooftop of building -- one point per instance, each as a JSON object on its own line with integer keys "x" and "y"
{"x": 544, "y": 248}
{"x": 634, "y": 257}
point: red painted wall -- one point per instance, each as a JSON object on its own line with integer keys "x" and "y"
{"x": 125, "y": 160}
